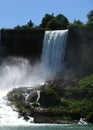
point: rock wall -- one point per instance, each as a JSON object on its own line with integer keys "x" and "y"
{"x": 22, "y": 42}
{"x": 79, "y": 51}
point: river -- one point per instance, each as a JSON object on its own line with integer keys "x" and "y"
{"x": 47, "y": 127}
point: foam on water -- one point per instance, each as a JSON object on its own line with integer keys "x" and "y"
{"x": 7, "y": 115}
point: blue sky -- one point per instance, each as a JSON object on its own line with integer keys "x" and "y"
{"x": 19, "y": 12}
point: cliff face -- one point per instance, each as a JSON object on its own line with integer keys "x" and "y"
{"x": 28, "y": 43}
{"x": 22, "y": 42}
{"x": 79, "y": 51}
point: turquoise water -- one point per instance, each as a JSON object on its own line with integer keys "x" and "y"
{"x": 48, "y": 127}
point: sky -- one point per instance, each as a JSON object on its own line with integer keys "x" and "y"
{"x": 20, "y": 12}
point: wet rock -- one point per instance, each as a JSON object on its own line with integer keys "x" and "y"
{"x": 32, "y": 97}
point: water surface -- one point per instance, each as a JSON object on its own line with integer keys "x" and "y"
{"x": 47, "y": 127}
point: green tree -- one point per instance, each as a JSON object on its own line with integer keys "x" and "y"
{"x": 54, "y": 24}
{"x": 17, "y": 27}
{"x": 45, "y": 20}
{"x": 90, "y": 16}
{"x": 63, "y": 21}
{"x": 77, "y": 23}
{"x": 48, "y": 97}
{"x": 30, "y": 24}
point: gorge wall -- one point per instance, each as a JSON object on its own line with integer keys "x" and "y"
{"x": 79, "y": 51}
{"x": 24, "y": 43}
{"x": 28, "y": 43}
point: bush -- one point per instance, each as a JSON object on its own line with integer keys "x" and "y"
{"x": 86, "y": 81}
{"x": 89, "y": 118}
{"x": 48, "y": 97}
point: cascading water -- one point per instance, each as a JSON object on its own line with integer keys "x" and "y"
{"x": 18, "y": 72}
{"x": 54, "y": 50}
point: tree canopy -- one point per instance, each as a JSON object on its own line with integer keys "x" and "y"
{"x": 77, "y": 23}
{"x": 90, "y": 16}
{"x": 47, "y": 18}
{"x": 54, "y": 22}
{"x": 58, "y": 22}
{"x": 29, "y": 25}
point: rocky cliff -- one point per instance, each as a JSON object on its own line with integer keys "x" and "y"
{"x": 27, "y": 43}
{"x": 79, "y": 51}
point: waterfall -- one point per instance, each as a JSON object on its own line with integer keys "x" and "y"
{"x": 38, "y": 95}
{"x": 54, "y": 50}
{"x": 18, "y": 72}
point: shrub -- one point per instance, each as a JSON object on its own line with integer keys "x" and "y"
{"x": 86, "y": 81}
{"x": 89, "y": 117}
{"x": 48, "y": 97}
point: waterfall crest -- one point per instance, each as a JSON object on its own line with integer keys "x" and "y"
{"x": 54, "y": 50}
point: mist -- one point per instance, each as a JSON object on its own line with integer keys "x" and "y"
{"x": 19, "y": 72}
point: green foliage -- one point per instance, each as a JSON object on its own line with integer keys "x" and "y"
{"x": 30, "y": 24}
{"x": 76, "y": 93}
{"x": 78, "y": 109}
{"x": 89, "y": 117}
{"x": 65, "y": 103}
{"x": 82, "y": 105}
{"x": 89, "y": 25}
{"x": 90, "y": 94}
{"x": 75, "y": 103}
{"x": 47, "y": 18}
{"x": 21, "y": 107}
{"x": 17, "y": 27}
{"x": 54, "y": 110}
{"x": 90, "y": 16}
{"x": 63, "y": 21}
{"x": 78, "y": 23}
{"x": 86, "y": 81}
{"x": 54, "y": 22}
{"x": 48, "y": 97}
{"x": 51, "y": 22}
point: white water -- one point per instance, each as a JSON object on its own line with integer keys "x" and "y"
{"x": 54, "y": 50}
{"x": 18, "y": 72}
{"x": 38, "y": 95}
{"x": 7, "y": 115}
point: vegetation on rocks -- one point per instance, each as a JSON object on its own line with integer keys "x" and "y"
{"x": 48, "y": 97}
{"x": 74, "y": 103}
